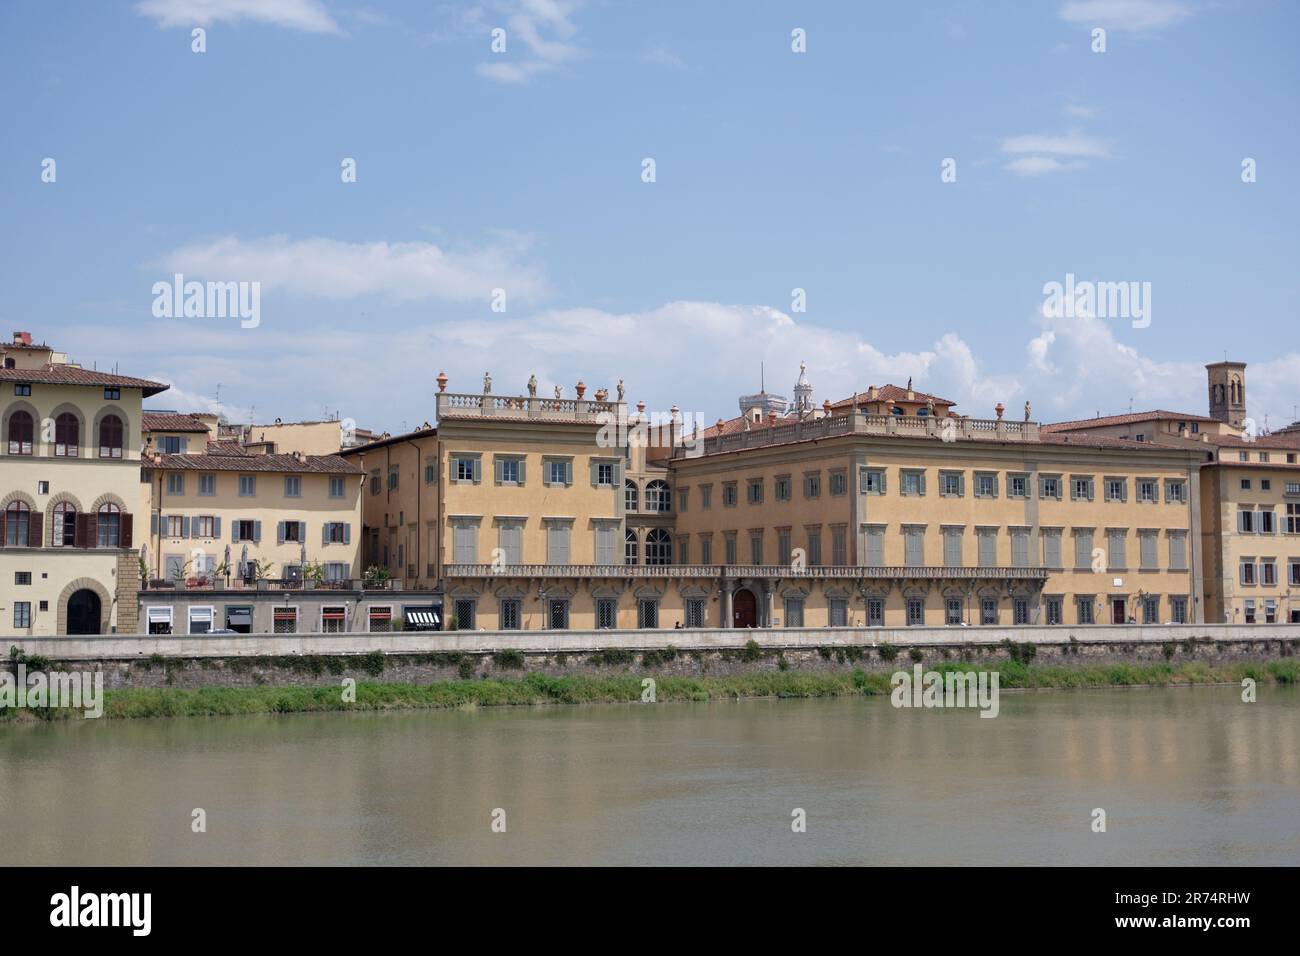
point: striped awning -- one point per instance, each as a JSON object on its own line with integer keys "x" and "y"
{"x": 427, "y": 617}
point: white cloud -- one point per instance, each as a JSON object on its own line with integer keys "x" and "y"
{"x": 1083, "y": 112}
{"x": 308, "y": 15}
{"x": 661, "y": 56}
{"x": 546, "y": 30}
{"x": 1076, "y": 146}
{"x": 1133, "y": 15}
{"x": 331, "y": 269}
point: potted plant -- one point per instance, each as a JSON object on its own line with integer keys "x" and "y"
{"x": 222, "y": 571}
{"x": 261, "y": 572}
{"x": 180, "y": 574}
{"x": 376, "y": 576}
{"x": 313, "y": 574}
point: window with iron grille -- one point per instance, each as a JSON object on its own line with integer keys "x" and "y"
{"x": 952, "y": 611}
{"x": 464, "y": 610}
{"x": 1151, "y": 610}
{"x": 989, "y": 611}
{"x": 694, "y": 612}
{"x": 606, "y": 614}
{"x": 333, "y": 620}
{"x": 915, "y": 612}
{"x": 510, "y": 614}
{"x": 558, "y": 615}
{"x": 794, "y": 612}
{"x": 1178, "y": 610}
{"x": 379, "y": 619}
{"x": 1020, "y": 611}
{"x": 875, "y": 612}
{"x": 647, "y": 613}
{"x": 1053, "y": 607}
{"x": 286, "y": 620}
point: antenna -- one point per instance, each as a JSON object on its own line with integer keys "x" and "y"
{"x": 762, "y": 379}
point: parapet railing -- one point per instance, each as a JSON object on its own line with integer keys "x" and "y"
{"x": 464, "y": 405}
{"x": 874, "y": 572}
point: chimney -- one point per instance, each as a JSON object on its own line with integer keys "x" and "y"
{"x": 22, "y": 338}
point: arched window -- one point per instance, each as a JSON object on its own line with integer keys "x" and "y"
{"x": 896, "y": 411}
{"x": 21, "y": 431}
{"x": 629, "y": 547}
{"x": 18, "y": 519}
{"x": 629, "y": 495}
{"x": 110, "y": 437}
{"x": 657, "y": 497}
{"x": 922, "y": 412}
{"x": 658, "y": 547}
{"x": 110, "y": 525}
{"x": 64, "y": 532}
{"x": 67, "y": 435}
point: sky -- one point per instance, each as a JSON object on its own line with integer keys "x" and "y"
{"x": 921, "y": 171}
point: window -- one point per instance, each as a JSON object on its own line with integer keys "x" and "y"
{"x": 247, "y": 486}
{"x": 1293, "y": 518}
{"x": 1116, "y": 489}
{"x": 1268, "y": 572}
{"x": 838, "y": 483}
{"x": 379, "y": 619}
{"x": 814, "y": 549}
{"x": 464, "y": 610}
{"x": 729, "y": 548}
{"x": 1250, "y": 606}
{"x": 333, "y": 619}
{"x": 558, "y": 615}
{"x": 67, "y": 435}
{"x": 839, "y": 546}
{"x": 629, "y": 495}
{"x": 1084, "y": 609}
{"x": 1116, "y": 551}
{"x": 812, "y": 485}
{"x": 838, "y": 613}
{"x": 988, "y": 547}
{"x": 1265, "y": 484}
{"x": 658, "y": 547}
{"x": 1245, "y": 521}
{"x": 913, "y": 547}
{"x": 695, "y": 612}
{"x": 952, "y": 547}
{"x": 292, "y": 486}
{"x": 1293, "y": 572}
{"x": 988, "y": 611}
{"x": 207, "y": 485}
{"x": 1247, "y": 571}
{"x": 110, "y": 436}
{"x": 912, "y": 482}
{"x": 729, "y": 494}
{"x": 915, "y": 612}
{"x": 683, "y": 498}
{"x": 22, "y": 614}
{"x": 875, "y": 612}
{"x": 22, "y": 577}
{"x": 172, "y": 444}
{"x": 292, "y": 531}
{"x": 21, "y": 431}
{"x": 1149, "y": 561}
{"x": 629, "y": 547}
{"x": 780, "y": 488}
{"x": 246, "y": 530}
{"x": 1266, "y": 523}
{"x": 172, "y": 526}
{"x": 204, "y": 526}
{"x": 1150, "y": 610}
{"x": 464, "y": 468}
{"x": 782, "y": 545}
{"x": 794, "y": 612}
{"x": 1052, "y": 605}
{"x": 1017, "y": 486}
{"x": 1146, "y": 489}
{"x": 63, "y": 533}
{"x": 606, "y": 614}
{"x": 510, "y": 540}
{"x": 336, "y": 487}
{"x": 1083, "y": 549}
{"x": 1052, "y": 549}
{"x": 706, "y": 549}
{"x": 1020, "y": 611}
{"x": 875, "y": 556}
{"x": 647, "y": 613}
{"x": 706, "y": 497}
{"x": 754, "y": 491}
{"x": 756, "y": 547}
{"x": 952, "y": 612}
{"x": 1245, "y": 484}
{"x": 394, "y": 477}
{"x": 657, "y": 497}
{"x": 604, "y": 474}
{"x": 1176, "y": 492}
{"x": 175, "y": 483}
{"x": 873, "y": 481}
{"x": 1049, "y": 486}
{"x": 986, "y": 486}
{"x": 375, "y": 484}
{"x": 1080, "y": 488}
{"x": 22, "y": 388}
{"x": 1020, "y": 547}
{"x": 951, "y": 484}
{"x": 286, "y": 620}
{"x": 109, "y": 524}
{"x": 557, "y": 471}
{"x": 511, "y": 614}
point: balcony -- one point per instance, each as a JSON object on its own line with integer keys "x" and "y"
{"x": 457, "y": 405}
{"x": 781, "y": 432}
{"x": 735, "y": 571}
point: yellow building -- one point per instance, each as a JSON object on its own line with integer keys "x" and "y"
{"x": 69, "y": 493}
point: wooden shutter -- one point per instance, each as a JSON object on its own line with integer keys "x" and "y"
{"x": 1020, "y": 550}
{"x": 81, "y": 534}
{"x": 153, "y": 522}
{"x": 257, "y": 532}
{"x": 347, "y": 532}
{"x": 302, "y": 531}
{"x": 35, "y": 525}
{"x": 216, "y": 529}
{"x": 185, "y": 527}
{"x": 125, "y": 538}
{"x": 92, "y": 531}
{"x": 325, "y": 533}
{"x": 279, "y": 532}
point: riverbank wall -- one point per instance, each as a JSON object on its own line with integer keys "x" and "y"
{"x": 259, "y": 660}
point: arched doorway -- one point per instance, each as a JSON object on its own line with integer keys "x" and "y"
{"x": 83, "y": 612}
{"x": 744, "y": 609}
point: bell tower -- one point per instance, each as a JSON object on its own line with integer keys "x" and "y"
{"x": 1227, "y": 381}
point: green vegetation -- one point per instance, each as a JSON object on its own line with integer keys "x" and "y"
{"x": 626, "y": 688}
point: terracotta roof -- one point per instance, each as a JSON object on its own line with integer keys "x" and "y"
{"x": 390, "y": 440}
{"x": 891, "y": 393}
{"x": 68, "y": 375}
{"x": 172, "y": 422}
{"x": 281, "y": 464}
{"x": 227, "y": 448}
{"x": 1088, "y": 440}
{"x": 1275, "y": 440}
{"x": 1159, "y": 414}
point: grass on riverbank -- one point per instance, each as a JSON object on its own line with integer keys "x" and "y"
{"x": 582, "y": 689}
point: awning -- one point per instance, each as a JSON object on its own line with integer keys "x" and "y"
{"x": 380, "y": 613}
{"x": 333, "y": 614}
{"x": 239, "y": 615}
{"x": 423, "y": 617}
{"x": 200, "y": 614}
{"x": 286, "y": 614}
{"x": 160, "y": 615}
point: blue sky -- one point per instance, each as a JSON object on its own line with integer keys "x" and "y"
{"x": 775, "y": 170}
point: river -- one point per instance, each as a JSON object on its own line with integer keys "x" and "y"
{"x": 1185, "y": 776}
